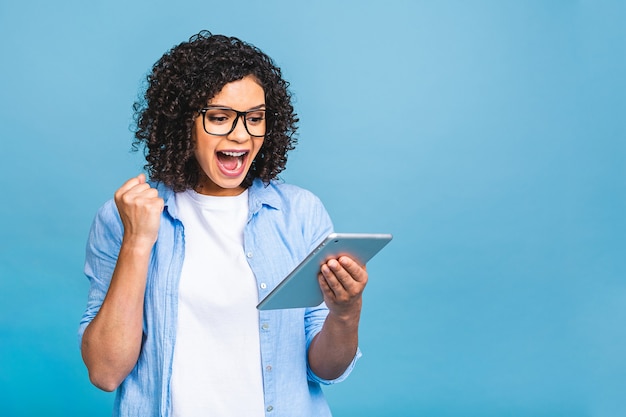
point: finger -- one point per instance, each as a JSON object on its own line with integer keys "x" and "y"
{"x": 129, "y": 184}
{"x": 144, "y": 191}
{"x": 137, "y": 194}
{"x": 334, "y": 285}
{"x": 352, "y": 280}
{"x": 326, "y": 290}
{"x": 357, "y": 271}
{"x": 343, "y": 285}
{"x": 342, "y": 274}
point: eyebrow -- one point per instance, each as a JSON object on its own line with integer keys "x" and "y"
{"x": 219, "y": 106}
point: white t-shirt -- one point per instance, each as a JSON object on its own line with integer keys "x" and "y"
{"x": 217, "y": 357}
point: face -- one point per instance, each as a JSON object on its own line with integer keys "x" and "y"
{"x": 225, "y": 160}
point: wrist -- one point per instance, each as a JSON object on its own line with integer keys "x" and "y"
{"x": 348, "y": 318}
{"x": 137, "y": 245}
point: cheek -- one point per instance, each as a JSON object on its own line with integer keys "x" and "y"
{"x": 204, "y": 153}
{"x": 259, "y": 147}
{"x": 203, "y": 145}
{"x": 198, "y": 139}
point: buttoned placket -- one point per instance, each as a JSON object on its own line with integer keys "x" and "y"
{"x": 265, "y": 323}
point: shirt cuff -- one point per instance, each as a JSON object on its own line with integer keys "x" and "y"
{"x": 340, "y": 378}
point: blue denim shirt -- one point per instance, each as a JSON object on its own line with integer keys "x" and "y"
{"x": 284, "y": 224}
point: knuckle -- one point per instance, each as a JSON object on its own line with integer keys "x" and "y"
{"x": 126, "y": 199}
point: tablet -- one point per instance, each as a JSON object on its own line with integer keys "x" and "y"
{"x": 301, "y": 289}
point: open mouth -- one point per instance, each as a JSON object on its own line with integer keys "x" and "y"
{"x": 231, "y": 162}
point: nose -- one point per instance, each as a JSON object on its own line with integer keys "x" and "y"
{"x": 240, "y": 133}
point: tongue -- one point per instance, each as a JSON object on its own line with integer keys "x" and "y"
{"x": 229, "y": 162}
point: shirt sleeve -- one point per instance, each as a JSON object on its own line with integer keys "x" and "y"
{"x": 314, "y": 320}
{"x": 320, "y": 227}
{"x": 103, "y": 245}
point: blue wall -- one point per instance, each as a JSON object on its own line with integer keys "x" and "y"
{"x": 488, "y": 136}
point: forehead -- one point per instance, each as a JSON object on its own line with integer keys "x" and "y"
{"x": 241, "y": 94}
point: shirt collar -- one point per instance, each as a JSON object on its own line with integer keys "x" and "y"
{"x": 259, "y": 195}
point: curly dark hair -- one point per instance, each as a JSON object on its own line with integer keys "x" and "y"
{"x": 182, "y": 82}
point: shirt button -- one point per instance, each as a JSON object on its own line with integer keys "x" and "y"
{"x": 268, "y": 368}
{"x": 270, "y": 408}
{"x": 263, "y": 285}
{"x": 249, "y": 254}
{"x": 265, "y": 326}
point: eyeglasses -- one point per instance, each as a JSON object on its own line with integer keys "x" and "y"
{"x": 221, "y": 121}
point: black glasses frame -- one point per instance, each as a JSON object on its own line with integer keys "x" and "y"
{"x": 240, "y": 114}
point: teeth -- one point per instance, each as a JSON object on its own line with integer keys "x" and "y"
{"x": 235, "y": 154}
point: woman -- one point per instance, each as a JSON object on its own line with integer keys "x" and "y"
{"x": 178, "y": 264}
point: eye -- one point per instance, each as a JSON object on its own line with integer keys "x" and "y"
{"x": 256, "y": 117}
{"x": 217, "y": 119}
{"x": 218, "y": 116}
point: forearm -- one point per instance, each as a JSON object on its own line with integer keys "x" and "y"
{"x": 335, "y": 346}
{"x": 112, "y": 341}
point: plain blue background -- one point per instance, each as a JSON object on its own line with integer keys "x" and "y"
{"x": 488, "y": 136}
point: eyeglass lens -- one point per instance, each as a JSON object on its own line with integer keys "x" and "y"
{"x": 222, "y": 121}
